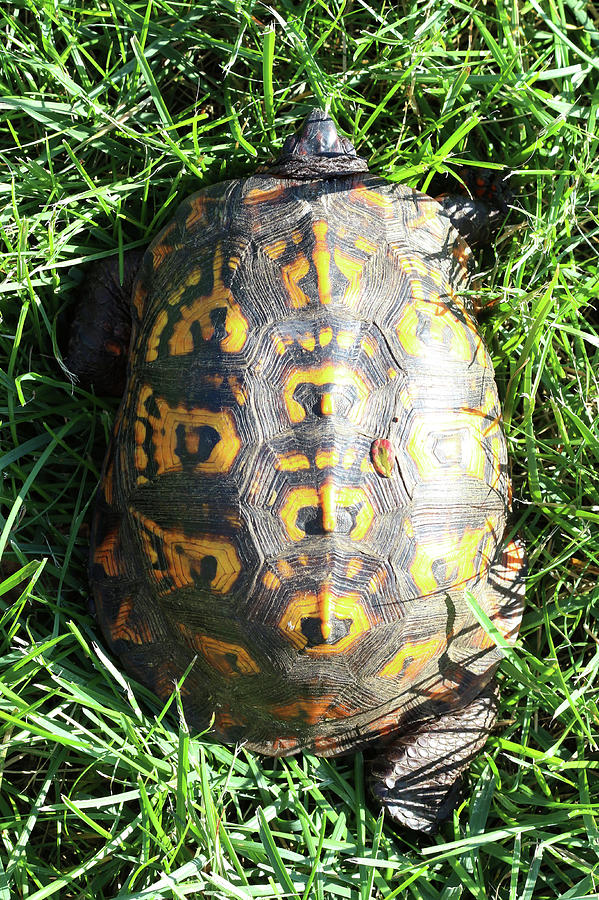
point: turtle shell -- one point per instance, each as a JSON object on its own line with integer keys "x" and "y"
{"x": 308, "y": 473}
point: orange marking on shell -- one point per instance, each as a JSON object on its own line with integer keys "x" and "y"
{"x": 412, "y": 264}
{"x": 366, "y": 466}
{"x": 276, "y": 249}
{"x": 377, "y": 582}
{"x": 140, "y": 459}
{"x": 113, "y": 348}
{"x": 465, "y": 446}
{"x": 140, "y": 295}
{"x": 108, "y": 484}
{"x": 180, "y": 556}
{"x": 284, "y": 569}
{"x": 279, "y": 343}
{"x": 237, "y": 389}
{"x": 369, "y": 346}
{"x": 158, "y": 248}
{"x": 417, "y": 289}
{"x": 310, "y": 711}
{"x": 329, "y": 373}
{"x": 496, "y": 450}
{"x": 297, "y": 237}
{"x": 441, "y": 323}
{"x": 413, "y": 658}
{"x": 429, "y": 211}
{"x": 325, "y": 337}
{"x": 464, "y": 557}
{"x": 165, "y": 680}
{"x": 349, "y": 458}
{"x": 166, "y": 430}
{"x": 307, "y": 341}
{"x": 122, "y": 629}
{"x": 292, "y": 462}
{"x": 503, "y": 596}
{"x": 365, "y": 516}
{"x": 224, "y": 720}
{"x": 345, "y": 339}
{"x": 372, "y": 199}
{"x": 326, "y": 458}
{"x": 303, "y": 560}
{"x": 292, "y": 273}
{"x": 325, "y": 607}
{"x": 328, "y": 501}
{"x": 354, "y": 567}
{"x": 271, "y": 581}
{"x": 153, "y": 341}
{"x": 198, "y": 311}
{"x": 362, "y": 243}
{"x": 108, "y": 554}
{"x": 197, "y": 211}
{"x": 230, "y": 659}
{"x": 322, "y": 261}
{"x": 306, "y": 605}
{"x": 299, "y": 498}
{"x": 351, "y": 268}
{"x": 405, "y": 398}
{"x": 257, "y": 196}
{"x": 327, "y": 404}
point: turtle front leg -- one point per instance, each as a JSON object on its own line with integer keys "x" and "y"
{"x": 479, "y": 213}
{"x": 100, "y": 331}
{"x": 417, "y": 781}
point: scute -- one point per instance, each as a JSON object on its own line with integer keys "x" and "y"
{"x": 308, "y": 471}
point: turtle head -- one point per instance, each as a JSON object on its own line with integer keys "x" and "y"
{"x": 317, "y": 151}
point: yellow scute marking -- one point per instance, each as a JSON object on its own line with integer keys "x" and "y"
{"x": 271, "y": 581}
{"x": 326, "y": 458}
{"x": 292, "y": 462}
{"x": 257, "y": 196}
{"x": 324, "y": 606}
{"x": 198, "y": 311}
{"x": 166, "y": 435}
{"x": 322, "y": 260}
{"x": 108, "y": 554}
{"x": 441, "y": 323}
{"x": 462, "y": 555}
{"x": 327, "y": 374}
{"x": 123, "y": 629}
{"x": 177, "y": 555}
{"x": 412, "y": 658}
{"x": 154, "y": 336}
{"x": 293, "y": 273}
{"x": 351, "y": 268}
{"x": 327, "y": 499}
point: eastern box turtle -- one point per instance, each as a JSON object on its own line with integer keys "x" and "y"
{"x": 308, "y": 472}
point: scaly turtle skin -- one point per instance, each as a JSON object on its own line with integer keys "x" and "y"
{"x": 308, "y": 472}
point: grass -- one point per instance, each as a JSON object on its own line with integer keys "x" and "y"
{"x": 110, "y": 113}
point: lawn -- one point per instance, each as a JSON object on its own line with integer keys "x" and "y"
{"x": 111, "y": 112}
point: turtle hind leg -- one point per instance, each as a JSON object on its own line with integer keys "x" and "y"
{"x": 479, "y": 213}
{"x": 101, "y": 328}
{"x": 417, "y": 780}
